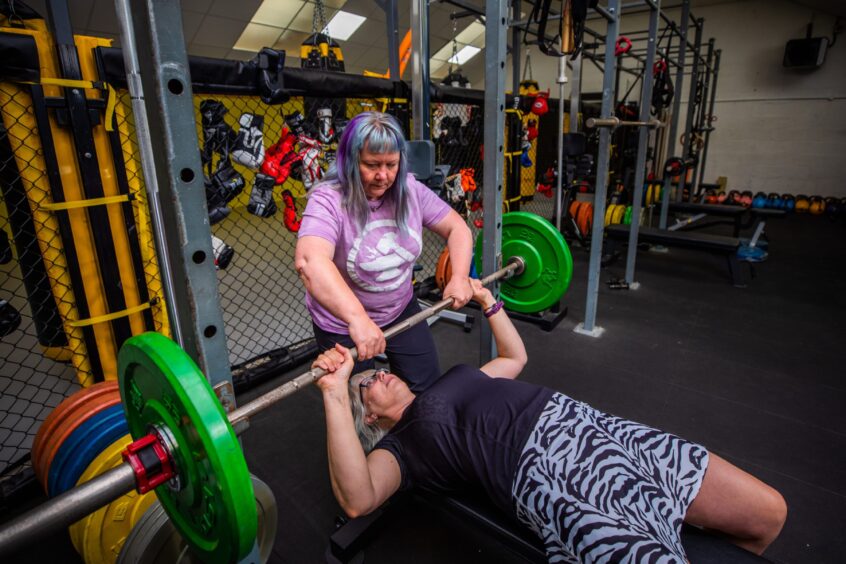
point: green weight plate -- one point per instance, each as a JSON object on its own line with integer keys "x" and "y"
{"x": 549, "y": 265}
{"x": 627, "y": 216}
{"x": 213, "y": 506}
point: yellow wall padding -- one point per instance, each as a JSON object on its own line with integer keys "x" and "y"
{"x": 19, "y": 120}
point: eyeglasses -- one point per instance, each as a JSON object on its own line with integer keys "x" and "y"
{"x": 368, "y": 381}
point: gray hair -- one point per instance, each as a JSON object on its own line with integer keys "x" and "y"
{"x": 368, "y": 434}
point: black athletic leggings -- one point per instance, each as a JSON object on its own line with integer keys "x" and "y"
{"x": 411, "y": 354}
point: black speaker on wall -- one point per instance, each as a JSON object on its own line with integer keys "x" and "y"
{"x": 808, "y": 53}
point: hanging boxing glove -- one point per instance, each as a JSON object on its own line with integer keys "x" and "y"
{"x": 325, "y": 131}
{"x": 261, "y": 198}
{"x": 290, "y": 219}
{"x": 531, "y": 130}
{"x": 223, "y": 253}
{"x": 227, "y": 182}
{"x": 545, "y": 189}
{"x": 280, "y": 157}
{"x": 309, "y": 157}
{"x": 218, "y": 137}
{"x": 525, "y": 159}
{"x": 249, "y": 145}
{"x": 468, "y": 181}
{"x": 540, "y": 106}
{"x": 10, "y": 318}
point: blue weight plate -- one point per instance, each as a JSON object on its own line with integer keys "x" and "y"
{"x": 83, "y": 445}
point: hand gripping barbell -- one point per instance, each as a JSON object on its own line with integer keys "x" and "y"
{"x": 185, "y": 445}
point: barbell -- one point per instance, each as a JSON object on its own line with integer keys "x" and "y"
{"x": 186, "y": 448}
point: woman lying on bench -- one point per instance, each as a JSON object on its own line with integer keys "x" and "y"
{"x": 592, "y": 486}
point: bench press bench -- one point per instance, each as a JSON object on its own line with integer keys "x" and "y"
{"x": 717, "y": 244}
{"x": 349, "y": 540}
{"x": 739, "y": 217}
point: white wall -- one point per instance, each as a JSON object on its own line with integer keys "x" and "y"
{"x": 778, "y": 130}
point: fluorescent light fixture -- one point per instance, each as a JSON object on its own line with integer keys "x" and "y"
{"x": 473, "y": 34}
{"x": 343, "y": 25}
{"x": 256, "y": 36}
{"x": 466, "y": 53}
{"x": 277, "y": 13}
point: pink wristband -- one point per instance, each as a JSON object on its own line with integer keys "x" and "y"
{"x": 493, "y": 309}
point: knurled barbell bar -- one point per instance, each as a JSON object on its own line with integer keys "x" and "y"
{"x": 617, "y": 122}
{"x": 186, "y": 447}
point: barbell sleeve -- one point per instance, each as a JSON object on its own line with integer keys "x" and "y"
{"x": 514, "y": 266}
{"x": 617, "y": 122}
{"x": 67, "y": 508}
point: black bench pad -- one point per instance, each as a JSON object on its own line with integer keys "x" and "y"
{"x": 691, "y": 240}
{"x": 710, "y": 209}
{"x": 704, "y": 241}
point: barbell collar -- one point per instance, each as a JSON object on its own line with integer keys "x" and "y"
{"x": 617, "y": 122}
{"x": 290, "y": 388}
{"x": 67, "y": 508}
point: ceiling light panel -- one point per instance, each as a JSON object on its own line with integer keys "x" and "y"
{"x": 343, "y": 25}
{"x": 466, "y": 53}
{"x": 255, "y": 36}
{"x": 277, "y": 13}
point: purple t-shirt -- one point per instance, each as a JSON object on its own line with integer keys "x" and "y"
{"x": 377, "y": 262}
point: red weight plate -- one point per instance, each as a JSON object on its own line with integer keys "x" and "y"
{"x": 81, "y": 406}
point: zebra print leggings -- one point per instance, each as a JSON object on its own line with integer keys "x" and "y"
{"x": 597, "y": 488}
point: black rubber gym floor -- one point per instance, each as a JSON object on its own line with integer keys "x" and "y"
{"x": 756, "y": 375}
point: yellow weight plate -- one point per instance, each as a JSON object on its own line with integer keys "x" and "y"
{"x": 617, "y": 215}
{"x": 608, "y": 212}
{"x": 106, "y": 460}
{"x": 98, "y": 537}
{"x": 105, "y": 535}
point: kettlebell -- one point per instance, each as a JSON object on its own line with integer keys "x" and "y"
{"x": 710, "y": 197}
{"x": 733, "y": 198}
{"x": 832, "y": 208}
{"x": 816, "y": 205}
{"x": 788, "y": 202}
{"x": 802, "y": 203}
{"x": 773, "y": 201}
{"x": 746, "y": 198}
{"x": 759, "y": 201}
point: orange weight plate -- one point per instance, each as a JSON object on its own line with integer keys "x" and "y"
{"x": 74, "y": 414}
{"x": 443, "y": 272}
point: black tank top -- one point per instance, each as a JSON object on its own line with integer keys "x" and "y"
{"x": 465, "y": 434}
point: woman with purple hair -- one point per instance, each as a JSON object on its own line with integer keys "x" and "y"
{"x": 361, "y": 233}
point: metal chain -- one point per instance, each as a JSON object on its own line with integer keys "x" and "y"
{"x": 318, "y": 18}
{"x": 454, "y": 42}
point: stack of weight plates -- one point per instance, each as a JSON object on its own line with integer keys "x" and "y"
{"x": 98, "y": 537}
{"x": 72, "y": 436}
{"x": 154, "y": 539}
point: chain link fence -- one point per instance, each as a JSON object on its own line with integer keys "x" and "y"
{"x": 259, "y": 161}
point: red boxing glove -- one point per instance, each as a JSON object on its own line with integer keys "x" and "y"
{"x": 540, "y": 105}
{"x": 289, "y": 217}
{"x": 531, "y": 130}
{"x": 468, "y": 183}
{"x": 545, "y": 189}
{"x": 280, "y": 157}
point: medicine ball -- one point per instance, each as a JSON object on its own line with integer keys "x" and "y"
{"x": 802, "y": 203}
{"x": 760, "y": 200}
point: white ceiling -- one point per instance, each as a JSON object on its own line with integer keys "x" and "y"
{"x": 212, "y": 27}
